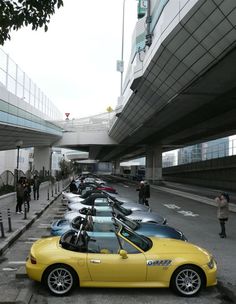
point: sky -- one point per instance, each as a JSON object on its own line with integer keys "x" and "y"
{"x": 74, "y": 62}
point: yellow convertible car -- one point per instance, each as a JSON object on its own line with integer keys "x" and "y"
{"x": 125, "y": 260}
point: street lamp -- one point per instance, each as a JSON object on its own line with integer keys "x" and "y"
{"x": 120, "y": 63}
{"x": 19, "y": 144}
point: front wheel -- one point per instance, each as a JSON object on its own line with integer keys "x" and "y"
{"x": 187, "y": 281}
{"x": 60, "y": 279}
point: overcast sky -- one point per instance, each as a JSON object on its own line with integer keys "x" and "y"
{"x": 74, "y": 63}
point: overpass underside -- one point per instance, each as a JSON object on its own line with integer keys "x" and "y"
{"x": 184, "y": 90}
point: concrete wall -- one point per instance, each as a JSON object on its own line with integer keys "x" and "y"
{"x": 215, "y": 173}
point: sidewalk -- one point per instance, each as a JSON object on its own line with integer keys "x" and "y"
{"x": 18, "y": 222}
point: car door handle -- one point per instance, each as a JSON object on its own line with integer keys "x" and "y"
{"x": 95, "y": 261}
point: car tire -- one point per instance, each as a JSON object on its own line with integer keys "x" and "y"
{"x": 187, "y": 281}
{"x": 60, "y": 279}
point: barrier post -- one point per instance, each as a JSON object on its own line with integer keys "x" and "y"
{"x": 9, "y": 220}
{"x": 48, "y": 192}
{"x": 1, "y": 226}
{"x": 25, "y": 210}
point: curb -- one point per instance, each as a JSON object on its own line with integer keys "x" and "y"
{"x": 24, "y": 296}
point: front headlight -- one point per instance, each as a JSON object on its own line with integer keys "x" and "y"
{"x": 212, "y": 263}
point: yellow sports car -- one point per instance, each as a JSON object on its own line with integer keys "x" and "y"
{"x": 127, "y": 260}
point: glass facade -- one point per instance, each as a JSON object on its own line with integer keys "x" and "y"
{"x": 19, "y": 84}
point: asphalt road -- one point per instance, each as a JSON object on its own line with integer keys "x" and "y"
{"x": 197, "y": 221}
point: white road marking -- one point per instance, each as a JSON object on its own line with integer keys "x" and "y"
{"x": 43, "y": 224}
{"x": 9, "y": 269}
{"x": 187, "y": 213}
{"x": 17, "y": 262}
{"x": 172, "y": 206}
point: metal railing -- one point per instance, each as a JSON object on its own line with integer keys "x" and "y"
{"x": 98, "y": 122}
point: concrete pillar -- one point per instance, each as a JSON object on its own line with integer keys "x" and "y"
{"x": 154, "y": 164}
{"x": 116, "y": 167}
{"x": 42, "y": 159}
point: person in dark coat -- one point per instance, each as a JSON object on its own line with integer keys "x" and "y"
{"x": 141, "y": 194}
{"x": 146, "y": 193}
{"x": 19, "y": 196}
{"x": 36, "y": 184}
{"x": 73, "y": 187}
{"x": 27, "y": 194}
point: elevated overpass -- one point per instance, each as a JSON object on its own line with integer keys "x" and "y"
{"x": 182, "y": 89}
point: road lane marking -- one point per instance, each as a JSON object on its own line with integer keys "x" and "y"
{"x": 17, "y": 262}
{"x": 183, "y": 212}
{"x": 9, "y": 269}
{"x": 187, "y": 213}
{"x": 172, "y": 206}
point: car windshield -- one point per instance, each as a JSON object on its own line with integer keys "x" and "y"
{"x": 128, "y": 222}
{"x": 121, "y": 209}
{"x": 142, "y": 242}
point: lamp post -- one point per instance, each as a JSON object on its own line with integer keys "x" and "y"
{"x": 19, "y": 144}
{"x": 122, "y": 49}
{"x": 120, "y": 63}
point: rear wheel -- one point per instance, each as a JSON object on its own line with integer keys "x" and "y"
{"x": 187, "y": 281}
{"x": 60, "y": 279}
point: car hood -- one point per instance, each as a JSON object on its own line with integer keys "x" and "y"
{"x": 70, "y": 215}
{"x": 172, "y": 246}
{"x": 69, "y": 195}
{"x": 75, "y": 199}
{"x": 141, "y": 216}
{"x": 77, "y": 205}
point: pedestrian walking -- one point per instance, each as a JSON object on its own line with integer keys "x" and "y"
{"x": 141, "y": 194}
{"x": 146, "y": 193}
{"x": 36, "y": 184}
{"x": 222, "y": 211}
{"x": 27, "y": 194}
{"x": 19, "y": 196}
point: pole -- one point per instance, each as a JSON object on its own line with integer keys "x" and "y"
{"x": 1, "y": 226}
{"x": 17, "y": 163}
{"x": 9, "y": 220}
{"x": 122, "y": 49}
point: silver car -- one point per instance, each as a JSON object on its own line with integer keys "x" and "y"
{"x": 99, "y": 200}
{"x": 104, "y": 214}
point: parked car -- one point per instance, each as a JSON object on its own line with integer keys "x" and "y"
{"x": 104, "y": 214}
{"x": 61, "y": 226}
{"x": 101, "y": 200}
{"x": 125, "y": 260}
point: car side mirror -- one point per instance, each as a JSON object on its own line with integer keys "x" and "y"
{"x": 123, "y": 254}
